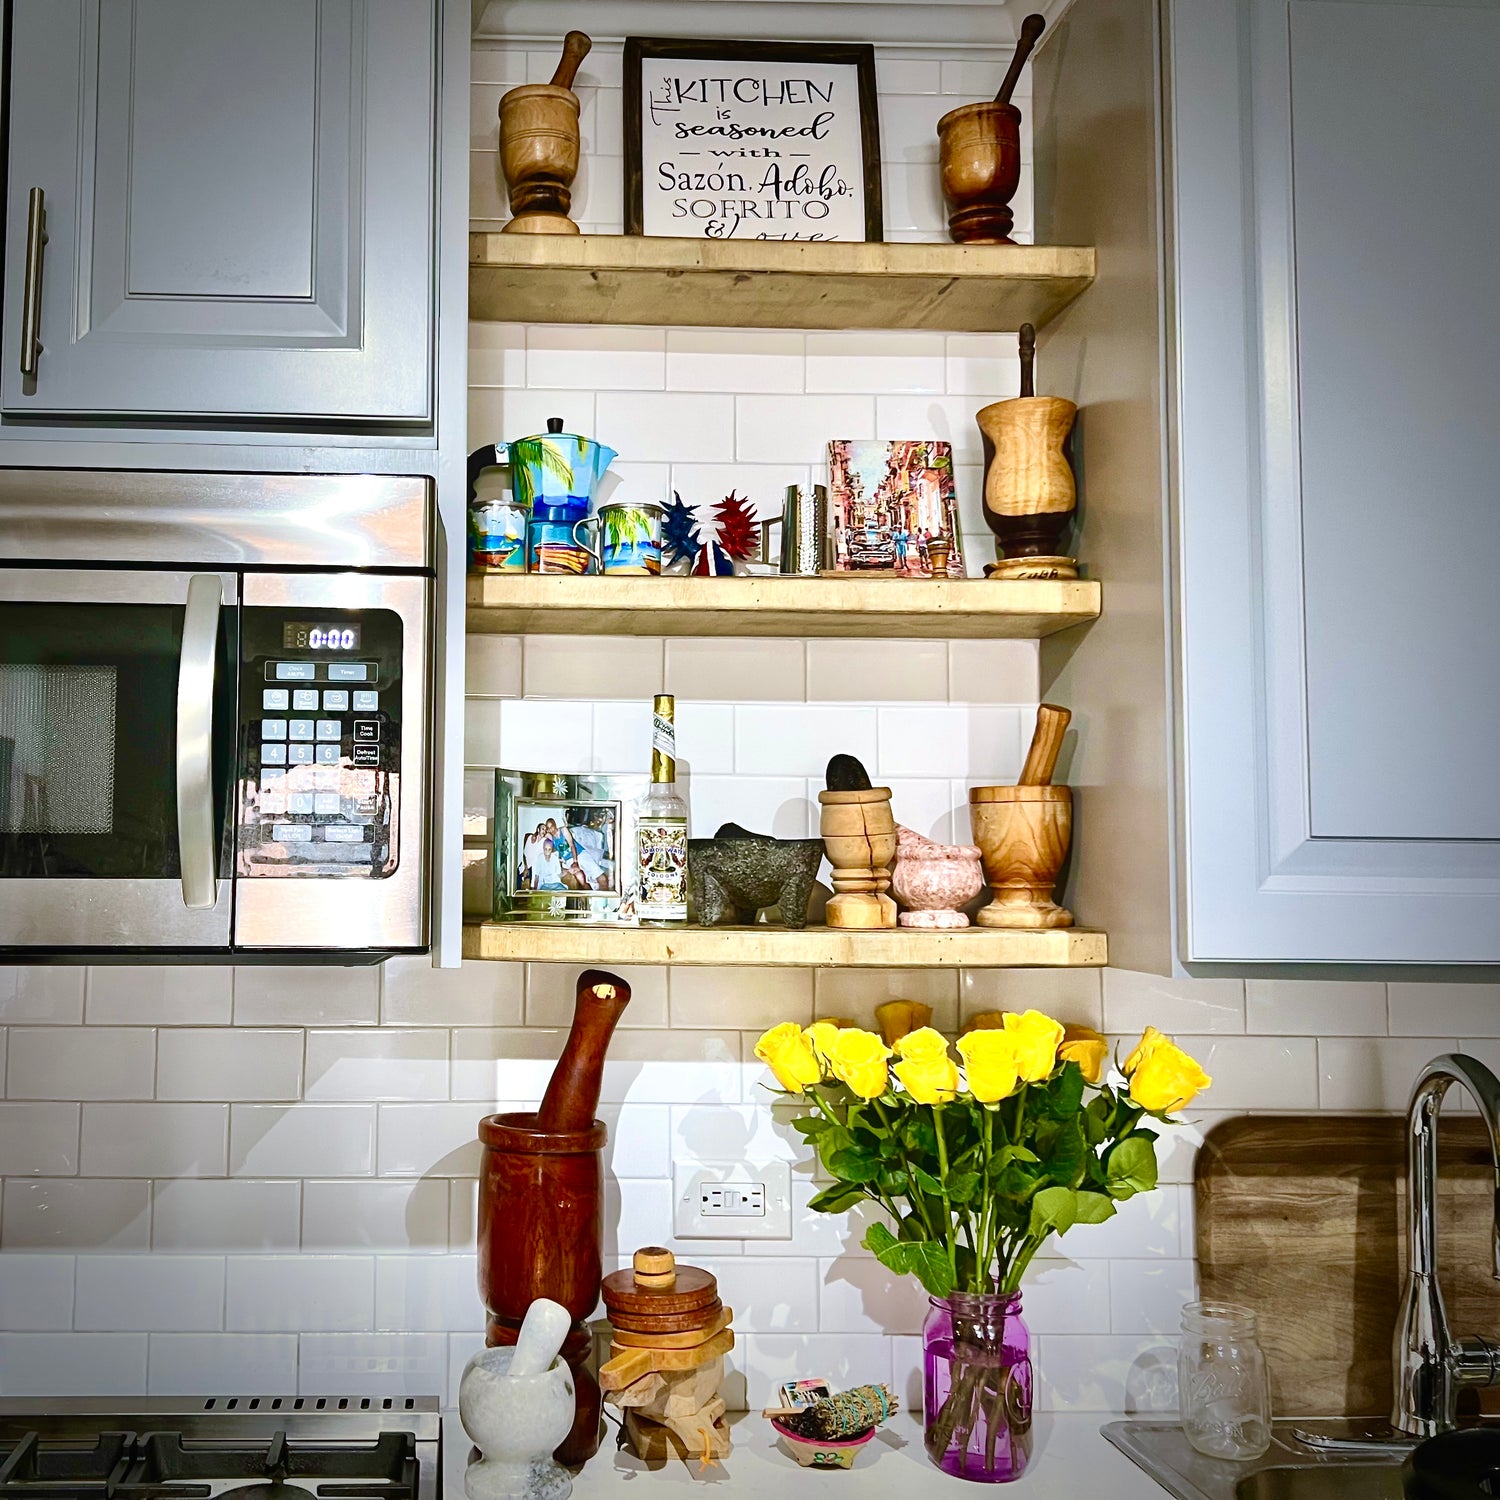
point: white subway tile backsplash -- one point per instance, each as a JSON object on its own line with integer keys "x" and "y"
{"x": 1112, "y": 1373}
{"x": 683, "y": 427}
{"x": 220, "y": 1063}
{"x": 300, "y": 1294}
{"x": 899, "y": 75}
{"x": 1060, "y": 1296}
{"x": 742, "y": 998}
{"x": 950, "y": 418}
{"x": 705, "y": 736}
{"x": 80, "y": 1062}
{"x": 69, "y": 1213}
{"x": 552, "y": 992}
{"x": 72, "y": 1364}
{"x": 622, "y": 737}
{"x": 798, "y": 429}
{"x": 1314, "y": 1007}
{"x": 740, "y": 670}
{"x": 546, "y": 736}
{"x": 854, "y": 671}
{"x": 769, "y": 1360}
{"x": 431, "y": 1140}
{"x": 38, "y": 1140}
{"x": 1363, "y": 1073}
{"x": 201, "y": 1364}
{"x": 377, "y": 1064}
{"x": 225, "y": 1215}
{"x": 984, "y": 365}
{"x": 912, "y": 198}
{"x": 596, "y": 358}
{"x": 497, "y": 351}
{"x": 1252, "y": 1072}
{"x": 856, "y": 992}
{"x": 638, "y": 1211}
{"x": 857, "y": 1292}
{"x": 506, "y": 66}
{"x": 492, "y": 666}
{"x": 1419, "y": 1009}
{"x": 149, "y": 1293}
{"x": 1134, "y": 1001}
{"x": 41, "y": 994}
{"x": 781, "y": 740}
{"x": 992, "y": 671}
{"x": 734, "y": 359}
{"x": 322, "y": 1140}
{"x": 777, "y": 805}
{"x": 1147, "y": 1296}
{"x": 353, "y": 1216}
{"x": 1071, "y": 996}
{"x": 1146, "y": 1227}
{"x": 374, "y": 1364}
{"x": 497, "y": 416}
{"x": 876, "y": 364}
{"x": 908, "y": 126}
{"x": 160, "y": 995}
{"x": 427, "y": 1293}
{"x": 588, "y": 666}
{"x": 155, "y": 1140}
{"x": 749, "y": 1132}
{"x": 414, "y": 993}
{"x": 36, "y": 1292}
{"x": 318, "y": 995}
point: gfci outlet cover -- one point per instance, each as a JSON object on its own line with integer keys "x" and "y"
{"x": 732, "y": 1200}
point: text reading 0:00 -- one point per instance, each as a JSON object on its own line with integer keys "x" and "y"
{"x": 301, "y": 635}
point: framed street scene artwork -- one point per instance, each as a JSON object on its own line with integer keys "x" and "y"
{"x": 751, "y": 140}
{"x": 891, "y": 508}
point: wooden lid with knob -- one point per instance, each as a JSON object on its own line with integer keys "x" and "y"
{"x": 656, "y": 1287}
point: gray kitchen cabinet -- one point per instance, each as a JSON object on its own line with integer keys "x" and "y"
{"x": 239, "y": 210}
{"x": 1289, "y": 447}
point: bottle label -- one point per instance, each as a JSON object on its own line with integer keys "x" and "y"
{"x": 661, "y": 866}
{"x": 663, "y": 749}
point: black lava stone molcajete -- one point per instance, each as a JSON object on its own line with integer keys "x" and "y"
{"x": 739, "y": 873}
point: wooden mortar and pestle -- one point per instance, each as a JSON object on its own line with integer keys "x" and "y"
{"x": 859, "y": 837}
{"x": 539, "y": 146}
{"x": 1024, "y": 831}
{"x": 541, "y": 1196}
{"x": 1029, "y": 493}
{"x": 979, "y": 155}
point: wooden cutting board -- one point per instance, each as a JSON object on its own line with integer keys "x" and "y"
{"x": 1303, "y": 1218}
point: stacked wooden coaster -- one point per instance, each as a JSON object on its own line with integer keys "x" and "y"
{"x": 670, "y": 1335}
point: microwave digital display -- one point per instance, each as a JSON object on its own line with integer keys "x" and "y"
{"x": 304, "y": 635}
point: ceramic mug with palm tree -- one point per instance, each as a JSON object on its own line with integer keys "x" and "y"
{"x": 626, "y": 538}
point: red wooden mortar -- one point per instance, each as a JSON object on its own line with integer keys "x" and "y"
{"x": 541, "y": 1196}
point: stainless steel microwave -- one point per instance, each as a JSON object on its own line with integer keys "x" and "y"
{"x": 215, "y": 711}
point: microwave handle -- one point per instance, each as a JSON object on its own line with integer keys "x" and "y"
{"x": 195, "y": 724}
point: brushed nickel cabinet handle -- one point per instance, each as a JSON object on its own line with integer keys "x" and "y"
{"x": 31, "y": 296}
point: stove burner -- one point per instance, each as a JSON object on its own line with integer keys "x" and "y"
{"x": 273, "y": 1491}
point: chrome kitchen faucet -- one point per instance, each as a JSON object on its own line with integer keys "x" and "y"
{"x": 1430, "y": 1364}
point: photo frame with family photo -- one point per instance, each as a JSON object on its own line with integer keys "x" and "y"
{"x": 563, "y": 847}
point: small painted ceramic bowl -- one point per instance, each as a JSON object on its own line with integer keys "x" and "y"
{"x": 823, "y": 1453}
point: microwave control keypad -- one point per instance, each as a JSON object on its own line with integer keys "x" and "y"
{"x": 320, "y": 747}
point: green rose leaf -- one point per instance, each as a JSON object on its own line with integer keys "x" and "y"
{"x": 919, "y": 1134}
{"x": 922, "y": 1259}
{"x": 836, "y": 1199}
{"x": 962, "y": 1186}
{"x": 1098, "y": 1116}
{"x": 1130, "y": 1167}
{"x": 813, "y": 1126}
{"x": 854, "y": 1165}
{"x": 926, "y": 1181}
{"x": 1064, "y": 1095}
{"x": 1054, "y": 1208}
{"x": 1093, "y": 1208}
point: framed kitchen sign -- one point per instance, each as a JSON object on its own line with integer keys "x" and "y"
{"x": 751, "y": 140}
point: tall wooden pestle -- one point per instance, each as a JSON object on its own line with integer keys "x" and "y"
{"x": 1031, "y": 33}
{"x": 1046, "y": 745}
{"x": 575, "y": 48}
{"x": 573, "y": 1091}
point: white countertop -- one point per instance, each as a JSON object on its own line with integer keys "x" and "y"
{"x": 1069, "y": 1461}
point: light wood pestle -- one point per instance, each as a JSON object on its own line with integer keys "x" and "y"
{"x": 1046, "y": 744}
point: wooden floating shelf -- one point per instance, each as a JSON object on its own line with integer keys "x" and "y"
{"x": 520, "y": 278}
{"x": 895, "y": 608}
{"x": 812, "y": 947}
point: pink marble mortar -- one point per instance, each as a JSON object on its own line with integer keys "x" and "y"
{"x": 934, "y": 881}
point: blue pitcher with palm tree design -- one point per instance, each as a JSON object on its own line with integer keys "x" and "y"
{"x": 556, "y": 475}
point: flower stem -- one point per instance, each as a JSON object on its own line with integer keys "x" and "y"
{"x": 942, "y": 1145}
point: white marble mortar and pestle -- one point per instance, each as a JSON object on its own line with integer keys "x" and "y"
{"x": 517, "y": 1405}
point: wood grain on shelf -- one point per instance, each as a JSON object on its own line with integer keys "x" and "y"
{"x": 1303, "y": 1219}
{"x": 559, "y": 604}
{"x": 771, "y": 283}
{"x": 812, "y": 947}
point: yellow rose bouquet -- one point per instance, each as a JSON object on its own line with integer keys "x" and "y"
{"x": 978, "y": 1158}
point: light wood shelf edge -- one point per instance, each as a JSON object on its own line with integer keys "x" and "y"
{"x": 1018, "y": 609}
{"x": 812, "y": 947}
{"x": 771, "y": 283}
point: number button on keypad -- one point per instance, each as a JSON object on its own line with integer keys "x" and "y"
{"x": 300, "y": 729}
{"x": 273, "y": 729}
{"x": 299, "y": 755}
{"x": 273, "y": 755}
{"x": 328, "y": 755}
{"x": 329, "y": 729}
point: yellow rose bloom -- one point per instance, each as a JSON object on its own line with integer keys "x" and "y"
{"x": 928, "y": 1080}
{"x": 789, "y": 1055}
{"x": 1162, "y": 1076}
{"x": 858, "y": 1058}
{"x": 925, "y": 1043}
{"x": 1037, "y": 1038}
{"x": 897, "y": 1017}
{"x": 1083, "y": 1045}
{"x": 820, "y": 1035}
{"x": 989, "y": 1064}
{"x": 987, "y": 1020}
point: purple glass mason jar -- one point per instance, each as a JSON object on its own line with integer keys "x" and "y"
{"x": 976, "y": 1389}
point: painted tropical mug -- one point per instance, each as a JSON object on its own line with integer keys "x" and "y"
{"x": 626, "y": 538}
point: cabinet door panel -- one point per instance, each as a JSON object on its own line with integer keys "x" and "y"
{"x": 1336, "y": 532}
{"x": 238, "y": 207}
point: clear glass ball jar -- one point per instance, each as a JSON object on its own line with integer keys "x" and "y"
{"x": 1223, "y": 1388}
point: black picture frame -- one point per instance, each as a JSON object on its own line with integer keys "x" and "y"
{"x": 861, "y": 55}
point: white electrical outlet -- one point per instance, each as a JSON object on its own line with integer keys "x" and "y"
{"x": 732, "y": 1200}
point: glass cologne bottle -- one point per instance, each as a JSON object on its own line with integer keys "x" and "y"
{"x": 661, "y": 829}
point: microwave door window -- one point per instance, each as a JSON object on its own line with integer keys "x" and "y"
{"x": 88, "y": 716}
